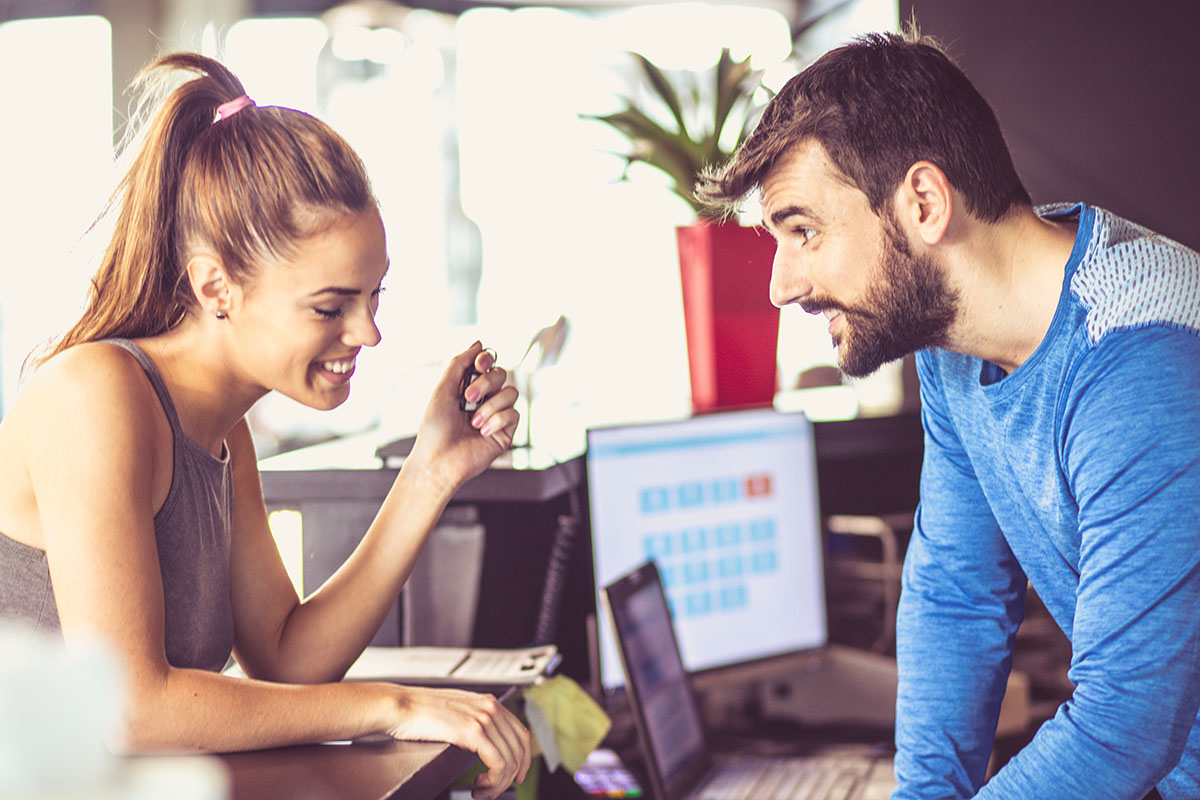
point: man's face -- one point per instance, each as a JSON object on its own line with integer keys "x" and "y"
{"x": 836, "y": 257}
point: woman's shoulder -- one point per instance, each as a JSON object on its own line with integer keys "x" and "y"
{"x": 94, "y": 382}
{"x": 92, "y": 366}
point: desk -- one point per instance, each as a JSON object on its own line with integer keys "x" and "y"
{"x": 347, "y": 469}
{"x": 366, "y": 771}
{"x": 387, "y": 770}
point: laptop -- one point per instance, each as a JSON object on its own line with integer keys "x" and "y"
{"x": 679, "y": 760}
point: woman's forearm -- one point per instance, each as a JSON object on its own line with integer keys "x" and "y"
{"x": 194, "y": 710}
{"x": 187, "y": 710}
{"x": 323, "y": 635}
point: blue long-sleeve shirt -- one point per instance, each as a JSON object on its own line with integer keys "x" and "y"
{"x": 1080, "y": 472}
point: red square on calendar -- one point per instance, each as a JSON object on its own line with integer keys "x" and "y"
{"x": 758, "y": 485}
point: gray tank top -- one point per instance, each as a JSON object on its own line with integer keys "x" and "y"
{"x": 192, "y": 532}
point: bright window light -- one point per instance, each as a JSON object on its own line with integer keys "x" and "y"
{"x": 287, "y": 527}
{"x": 490, "y": 102}
{"x": 698, "y": 31}
{"x": 276, "y": 59}
{"x": 56, "y": 159}
{"x": 381, "y": 45}
{"x": 561, "y": 234}
{"x": 504, "y": 91}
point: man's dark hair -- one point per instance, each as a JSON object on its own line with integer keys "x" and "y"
{"x": 879, "y": 105}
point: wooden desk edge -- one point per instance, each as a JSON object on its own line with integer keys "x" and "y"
{"x": 255, "y": 775}
{"x": 436, "y": 776}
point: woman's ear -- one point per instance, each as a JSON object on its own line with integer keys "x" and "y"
{"x": 925, "y": 202}
{"x": 210, "y": 284}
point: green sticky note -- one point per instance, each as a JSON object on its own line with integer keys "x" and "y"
{"x": 576, "y": 721}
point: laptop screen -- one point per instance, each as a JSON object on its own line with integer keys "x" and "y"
{"x": 726, "y": 504}
{"x": 665, "y": 709}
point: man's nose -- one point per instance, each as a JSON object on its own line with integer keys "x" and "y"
{"x": 788, "y": 282}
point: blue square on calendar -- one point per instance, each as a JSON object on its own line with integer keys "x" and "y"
{"x": 655, "y": 499}
{"x": 733, "y": 597}
{"x": 657, "y": 545}
{"x": 729, "y": 566}
{"x": 691, "y": 495}
{"x": 693, "y": 540}
{"x": 766, "y": 561}
{"x": 695, "y": 572}
{"x": 699, "y": 603}
{"x": 669, "y": 576}
{"x": 728, "y": 534}
{"x": 762, "y": 530}
{"x": 725, "y": 490}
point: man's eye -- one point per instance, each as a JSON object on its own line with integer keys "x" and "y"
{"x": 806, "y": 233}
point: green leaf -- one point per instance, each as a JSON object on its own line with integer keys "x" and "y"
{"x": 641, "y": 129}
{"x": 681, "y": 154}
{"x": 671, "y": 152}
{"x": 684, "y": 181}
{"x": 664, "y": 88}
{"x": 735, "y": 82}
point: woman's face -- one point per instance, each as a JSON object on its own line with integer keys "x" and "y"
{"x": 301, "y": 321}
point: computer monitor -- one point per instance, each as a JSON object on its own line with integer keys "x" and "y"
{"x": 726, "y": 505}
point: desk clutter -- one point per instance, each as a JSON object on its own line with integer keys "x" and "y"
{"x": 731, "y": 505}
{"x": 566, "y": 722}
{"x": 463, "y": 667}
{"x": 567, "y": 726}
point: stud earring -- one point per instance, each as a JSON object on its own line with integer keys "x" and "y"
{"x": 220, "y": 314}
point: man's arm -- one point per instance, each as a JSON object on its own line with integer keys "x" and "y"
{"x": 962, "y": 601}
{"x": 1130, "y": 447}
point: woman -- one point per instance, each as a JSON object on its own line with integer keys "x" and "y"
{"x": 248, "y": 257}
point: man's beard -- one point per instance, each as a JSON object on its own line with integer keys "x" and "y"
{"x": 908, "y": 307}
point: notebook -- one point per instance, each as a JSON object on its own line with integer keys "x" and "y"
{"x": 679, "y": 761}
{"x": 461, "y": 667}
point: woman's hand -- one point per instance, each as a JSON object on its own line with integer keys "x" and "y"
{"x": 472, "y": 721}
{"x": 453, "y": 445}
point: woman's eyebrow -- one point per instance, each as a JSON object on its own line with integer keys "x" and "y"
{"x": 344, "y": 291}
{"x": 349, "y": 291}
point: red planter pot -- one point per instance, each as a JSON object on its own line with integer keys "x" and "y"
{"x": 732, "y": 328}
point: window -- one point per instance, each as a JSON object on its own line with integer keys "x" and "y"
{"x": 502, "y": 203}
{"x": 56, "y": 159}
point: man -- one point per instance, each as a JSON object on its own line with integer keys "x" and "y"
{"x": 1059, "y": 357}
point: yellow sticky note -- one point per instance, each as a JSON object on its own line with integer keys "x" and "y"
{"x": 577, "y": 724}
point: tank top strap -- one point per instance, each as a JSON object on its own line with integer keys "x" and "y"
{"x": 156, "y": 380}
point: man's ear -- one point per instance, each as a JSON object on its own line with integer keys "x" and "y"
{"x": 925, "y": 202}
{"x": 211, "y": 285}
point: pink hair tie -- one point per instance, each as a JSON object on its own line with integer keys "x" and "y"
{"x": 227, "y": 110}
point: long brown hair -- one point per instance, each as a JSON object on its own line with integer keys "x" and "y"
{"x": 245, "y": 187}
{"x": 879, "y": 105}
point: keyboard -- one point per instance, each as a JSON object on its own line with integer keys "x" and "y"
{"x": 756, "y": 778}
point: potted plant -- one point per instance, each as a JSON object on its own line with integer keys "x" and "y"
{"x": 725, "y": 268}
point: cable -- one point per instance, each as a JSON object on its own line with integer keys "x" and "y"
{"x": 556, "y": 579}
{"x": 557, "y": 568}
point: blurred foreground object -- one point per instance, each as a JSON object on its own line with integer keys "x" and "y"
{"x": 59, "y": 709}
